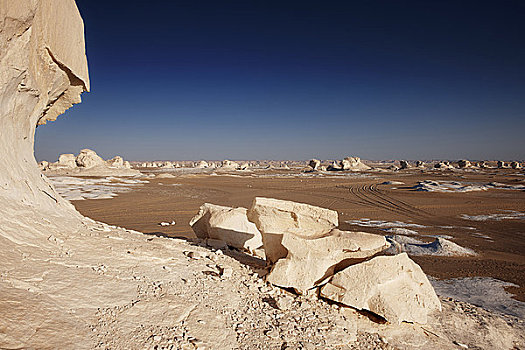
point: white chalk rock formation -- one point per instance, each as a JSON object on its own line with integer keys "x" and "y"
{"x": 353, "y": 164}
{"x": 66, "y": 161}
{"x": 227, "y": 224}
{"x": 311, "y": 260}
{"x": 88, "y": 158}
{"x": 202, "y": 164}
{"x": 443, "y": 165}
{"x": 334, "y": 166}
{"x": 393, "y": 287}
{"x": 115, "y": 162}
{"x": 43, "y": 71}
{"x": 482, "y": 164}
{"x": 403, "y": 164}
{"x": 275, "y": 218}
{"x": 463, "y": 163}
{"x": 228, "y": 164}
{"x": 501, "y": 164}
{"x": 420, "y": 164}
{"x": 168, "y": 165}
{"x": 314, "y": 164}
{"x": 515, "y": 165}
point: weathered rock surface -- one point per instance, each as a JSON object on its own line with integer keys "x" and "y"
{"x": 420, "y": 164}
{"x": 463, "y": 163}
{"x": 227, "y": 224}
{"x": 88, "y": 158}
{"x": 501, "y": 164}
{"x": 515, "y": 165}
{"x": 314, "y": 164}
{"x": 229, "y": 165}
{"x": 443, "y": 165}
{"x": 310, "y": 261}
{"x": 403, "y": 164}
{"x": 202, "y": 164}
{"x": 353, "y": 164}
{"x": 393, "y": 287}
{"x": 66, "y": 161}
{"x": 115, "y": 162}
{"x": 275, "y": 218}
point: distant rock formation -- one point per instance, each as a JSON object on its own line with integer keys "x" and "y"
{"x": 420, "y": 164}
{"x": 349, "y": 164}
{"x": 515, "y": 165}
{"x": 463, "y": 163}
{"x": 314, "y": 164}
{"x": 88, "y": 163}
{"x": 443, "y": 165}
{"x": 229, "y": 165}
{"x": 403, "y": 164}
{"x": 501, "y": 164}
{"x": 202, "y": 164}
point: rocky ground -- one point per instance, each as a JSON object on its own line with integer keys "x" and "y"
{"x": 109, "y": 288}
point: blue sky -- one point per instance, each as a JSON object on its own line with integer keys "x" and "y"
{"x": 295, "y": 80}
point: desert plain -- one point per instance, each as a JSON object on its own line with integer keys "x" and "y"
{"x": 389, "y": 196}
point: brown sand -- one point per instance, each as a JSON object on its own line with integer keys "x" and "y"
{"x": 502, "y": 257}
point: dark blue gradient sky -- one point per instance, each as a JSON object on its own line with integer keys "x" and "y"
{"x": 295, "y": 80}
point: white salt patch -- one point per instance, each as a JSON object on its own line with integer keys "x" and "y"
{"x": 508, "y": 215}
{"x": 439, "y": 247}
{"x": 481, "y": 235}
{"x": 364, "y": 222}
{"x": 401, "y": 231}
{"x": 77, "y": 188}
{"x": 485, "y": 292}
{"x": 444, "y": 186}
{"x": 392, "y": 183}
{"x": 503, "y": 186}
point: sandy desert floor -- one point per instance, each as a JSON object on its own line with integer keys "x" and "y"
{"x": 489, "y": 222}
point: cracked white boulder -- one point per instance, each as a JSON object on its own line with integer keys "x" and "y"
{"x": 310, "y": 261}
{"x": 227, "y": 224}
{"x": 88, "y": 158}
{"x": 393, "y": 287}
{"x": 275, "y": 218}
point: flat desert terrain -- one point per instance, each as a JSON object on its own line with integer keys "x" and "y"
{"x": 488, "y": 222}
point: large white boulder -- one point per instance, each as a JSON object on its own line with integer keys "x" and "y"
{"x": 66, "y": 161}
{"x": 310, "y": 261}
{"x": 393, "y": 287}
{"x": 88, "y": 159}
{"x": 275, "y": 218}
{"x": 115, "y": 162}
{"x": 354, "y": 164}
{"x": 227, "y": 224}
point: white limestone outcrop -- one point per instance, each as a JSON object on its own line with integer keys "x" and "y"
{"x": 227, "y": 224}
{"x": 311, "y": 260}
{"x": 275, "y": 218}
{"x": 393, "y": 287}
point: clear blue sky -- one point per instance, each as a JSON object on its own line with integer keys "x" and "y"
{"x": 299, "y": 79}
